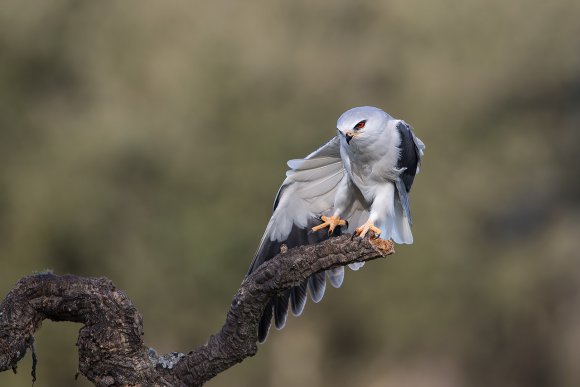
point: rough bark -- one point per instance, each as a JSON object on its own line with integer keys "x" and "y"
{"x": 110, "y": 343}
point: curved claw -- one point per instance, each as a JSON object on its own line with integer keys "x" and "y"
{"x": 331, "y": 222}
{"x": 365, "y": 228}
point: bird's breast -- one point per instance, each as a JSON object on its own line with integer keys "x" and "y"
{"x": 368, "y": 174}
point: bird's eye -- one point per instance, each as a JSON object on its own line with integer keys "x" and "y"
{"x": 360, "y": 125}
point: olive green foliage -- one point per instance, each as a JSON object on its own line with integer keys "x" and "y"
{"x": 145, "y": 140}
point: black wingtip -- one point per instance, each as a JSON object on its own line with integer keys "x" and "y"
{"x": 298, "y": 298}
{"x": 265, "y": 322}
{"x": 281, "y": 309}
{"x": 277, "y": 307}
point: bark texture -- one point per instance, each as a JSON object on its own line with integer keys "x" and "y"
{"x": 110, "y": 343}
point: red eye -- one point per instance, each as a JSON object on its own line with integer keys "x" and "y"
{"x": 360, "y": 125}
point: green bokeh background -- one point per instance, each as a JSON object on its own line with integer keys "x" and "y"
{"x": 144, "y": 141}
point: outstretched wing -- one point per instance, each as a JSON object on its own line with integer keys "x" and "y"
{"x": 307, "y": 192}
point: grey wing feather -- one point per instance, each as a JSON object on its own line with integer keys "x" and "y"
{"x": 336, "y": 276}
{"x": 404, "y": 198}
{"x": 298, "y": 298}
{"x": 317, "y": 286}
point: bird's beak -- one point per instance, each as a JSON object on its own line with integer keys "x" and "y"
{"x": 349, "y": 135}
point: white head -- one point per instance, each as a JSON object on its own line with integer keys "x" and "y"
{"x": 361, "y": 125}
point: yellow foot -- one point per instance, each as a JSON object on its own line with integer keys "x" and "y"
{"x": 331, "y": 222}
{"x": 365, "y": 228}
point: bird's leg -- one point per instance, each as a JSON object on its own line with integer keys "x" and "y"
{"x": 331, "y": 222}
{"x": 365, "y": 228}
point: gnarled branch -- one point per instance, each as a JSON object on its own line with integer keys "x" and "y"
{"x": 111, "y": 349}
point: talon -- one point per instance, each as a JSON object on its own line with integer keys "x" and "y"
{"x": 331, "y": 222}
{"x": 365, "y": 228}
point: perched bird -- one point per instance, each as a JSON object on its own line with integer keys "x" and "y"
{"x": 357, "y": 182}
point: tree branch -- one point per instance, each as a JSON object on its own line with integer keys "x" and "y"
{"x": 111, "y": 349}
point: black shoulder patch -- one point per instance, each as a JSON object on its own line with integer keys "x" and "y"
{"x": 409, "y": 157}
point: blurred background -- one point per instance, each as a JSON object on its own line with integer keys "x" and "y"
{"x": 144, "y": 141}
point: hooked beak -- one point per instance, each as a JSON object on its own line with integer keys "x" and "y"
{"x": 349, "y": 136}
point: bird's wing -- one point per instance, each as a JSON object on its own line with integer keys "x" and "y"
{"x": 412, "y": 149}
{"x": 307, "y": 192}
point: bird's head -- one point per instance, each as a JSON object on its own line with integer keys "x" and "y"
{"x": 361, "y": 124}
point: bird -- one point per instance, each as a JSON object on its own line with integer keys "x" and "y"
{"x": 358, "y": 183}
